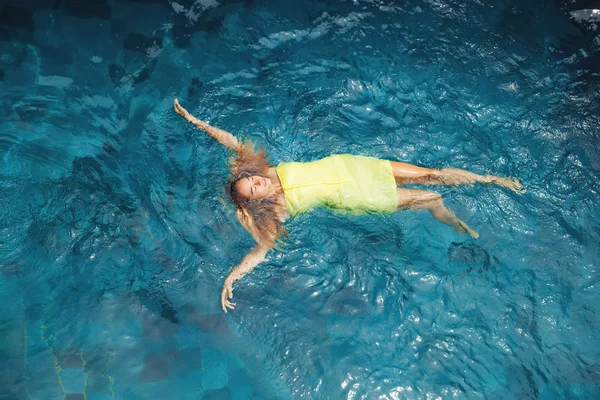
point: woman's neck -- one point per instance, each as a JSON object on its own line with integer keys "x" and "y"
{"x": 278, "y": 190}
{"x": 272, "y": 175}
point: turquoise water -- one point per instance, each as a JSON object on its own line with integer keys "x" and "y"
{"x": 116, "y": 234}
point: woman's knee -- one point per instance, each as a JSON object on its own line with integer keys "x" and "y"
{"x": 409, "y": 171}
{"x": 433, "y": 197}
{"x": 418, "y": 199}
{"x": 431, "y": 178}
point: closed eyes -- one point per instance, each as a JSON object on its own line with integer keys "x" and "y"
{"x": 252, "y": 189}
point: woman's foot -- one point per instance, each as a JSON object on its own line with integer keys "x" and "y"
{"x": 461, "y": 227}
{"x": 509, "y": 183}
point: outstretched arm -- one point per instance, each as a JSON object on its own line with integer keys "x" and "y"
{"x": 221, "y": 136}
{"x": 255, "y": 257}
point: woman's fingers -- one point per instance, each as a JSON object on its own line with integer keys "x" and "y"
{"x": 223, "y": 300}
{"x": 229, "y": 304}
{"x": 225, "y": 304}
{"x": 226, "y": 293}
{"x": 179, "y": 110}
{"x": 518, "y": 186}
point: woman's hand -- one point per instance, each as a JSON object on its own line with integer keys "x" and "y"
{"x": 251, "y": 260}
{"x": 180, "y": 110}
{"x": 221, "y": 136}
{"x": 227, "y": 293}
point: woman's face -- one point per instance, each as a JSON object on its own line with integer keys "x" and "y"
{"x": 254, "y": 187}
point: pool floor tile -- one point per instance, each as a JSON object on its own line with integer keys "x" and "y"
{"x": 97, "y": 383}
{"x": 75, "y": 396}
{"x": 73, "y": 380}
{"x": 44, "y": 384}
{"x": 99, "y": 396}
{"x": 69, "y": 358}
{"x": 13, "y": 385}
{"x": 156, "y": 368}
{"x": 46, "y": 396}
{"x": 158, "y": 328}
{"x": 217, "y": 394}
{"x": 187, "y": 360}
{"x": 210, "y": 323}
{"x": 187, "y": 336}
{"x": 215, "y": 369}
{"x": 163, "y": 390}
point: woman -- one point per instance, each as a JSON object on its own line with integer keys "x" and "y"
{"x": 265, "y": 195}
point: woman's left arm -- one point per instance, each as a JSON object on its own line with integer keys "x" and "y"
{"x": 252, "y": 259}
{"x": 225, "y": 138}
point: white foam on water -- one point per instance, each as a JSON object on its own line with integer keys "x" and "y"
{"x": 61, "y": 82}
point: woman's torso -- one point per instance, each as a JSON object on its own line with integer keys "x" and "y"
{"x": 344, "y": 182}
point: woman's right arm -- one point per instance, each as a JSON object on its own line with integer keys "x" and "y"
{"x": 252, "y": 259}
{"x": 221, "y": 136}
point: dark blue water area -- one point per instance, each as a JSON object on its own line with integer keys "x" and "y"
{"x": 116, "y": 233}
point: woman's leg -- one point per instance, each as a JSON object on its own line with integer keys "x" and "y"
{"x": 431, "y": 201}
{"x": 411, "y": 174}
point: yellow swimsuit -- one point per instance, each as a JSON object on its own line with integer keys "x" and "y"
{"x": 344, "y": 182}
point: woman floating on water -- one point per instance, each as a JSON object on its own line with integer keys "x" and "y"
{"x": 265, "y": 195}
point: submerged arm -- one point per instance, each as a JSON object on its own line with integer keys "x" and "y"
{"x": 221, "y": 136}
{"x": 252, "y": 259}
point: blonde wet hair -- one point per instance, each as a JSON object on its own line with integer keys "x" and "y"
{"x": 262, "y": 218}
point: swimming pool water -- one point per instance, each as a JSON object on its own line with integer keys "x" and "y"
{"x": 116, "y": 234}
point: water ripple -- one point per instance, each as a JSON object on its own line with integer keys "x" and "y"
{"x": 116, "y": 234}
